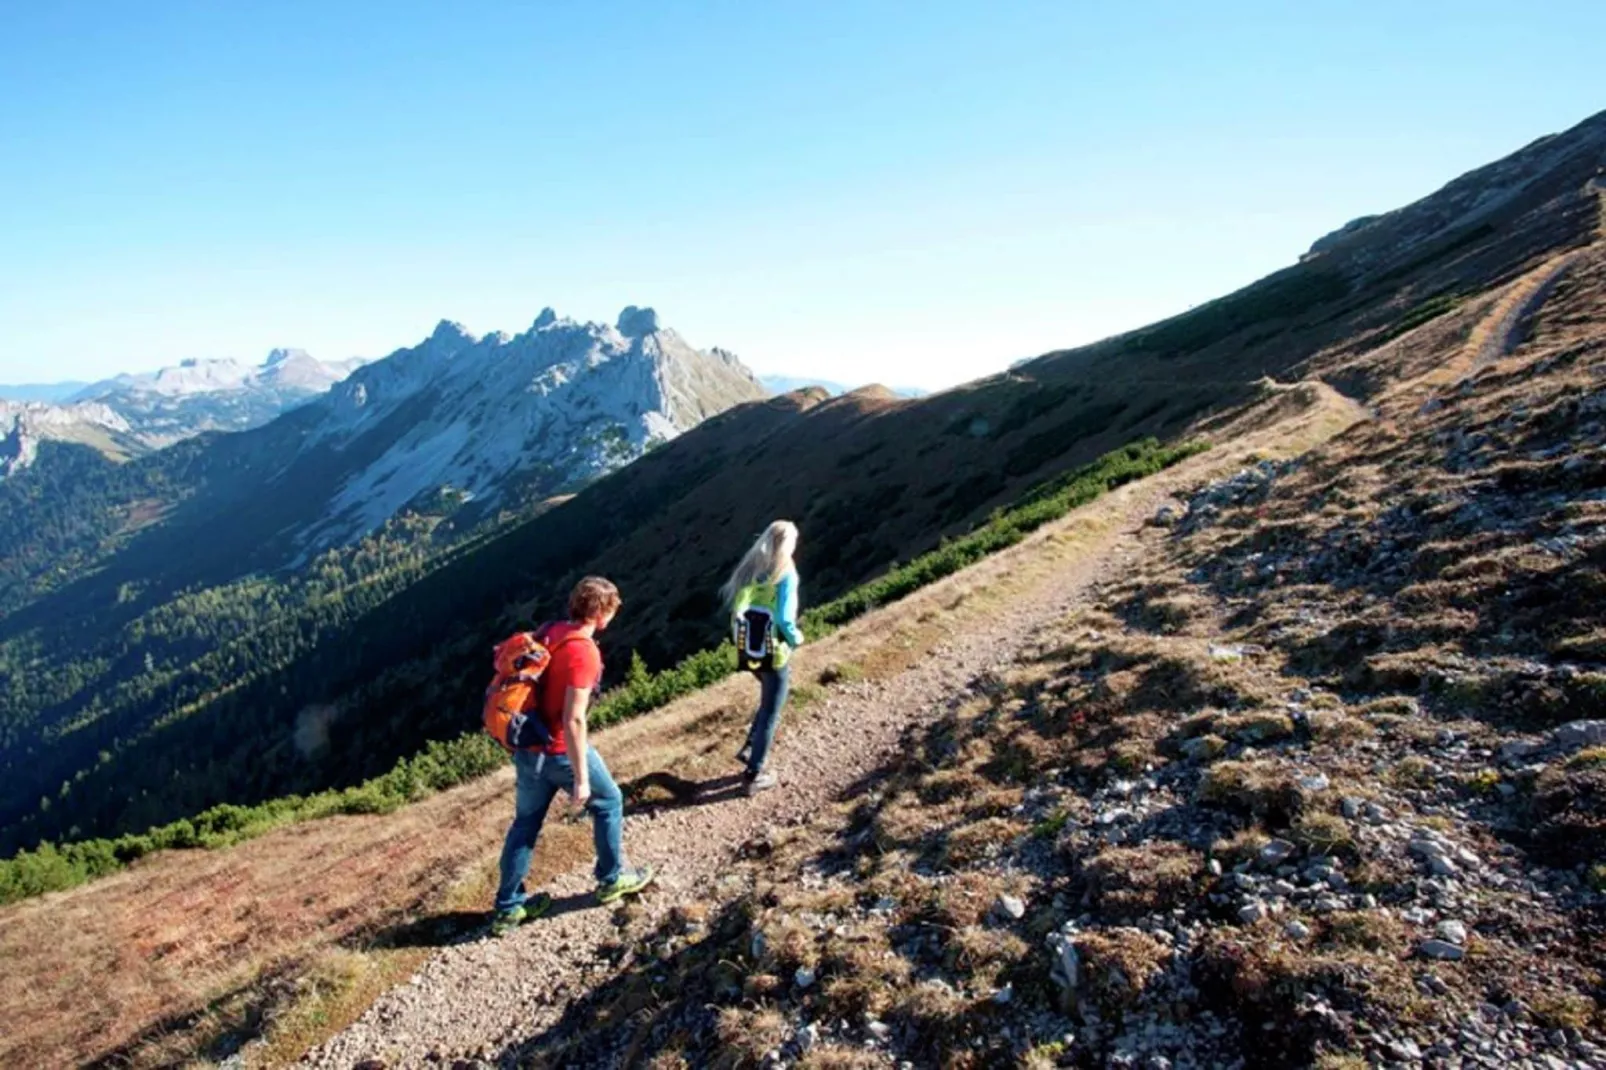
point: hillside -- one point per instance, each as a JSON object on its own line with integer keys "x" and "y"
{"x": 869, "y": 477}
{"x": 1286, "y": 756}
{"x": 1310, "y": 778}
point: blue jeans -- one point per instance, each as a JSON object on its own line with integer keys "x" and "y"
{"x": 773, "y": 685}
{"x": 539, "y": 779}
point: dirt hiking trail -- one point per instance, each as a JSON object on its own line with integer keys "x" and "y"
{"x": 485, "y": 998}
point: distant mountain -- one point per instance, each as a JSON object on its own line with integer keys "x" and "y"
{"x": 25, "y": 425}
{"x": 174, "y": 403}
{"x": 487, "y": 419}
{"x": 785, "y": 384}
{"x": 455, "y": 427}
{"x": 46, "y": 392}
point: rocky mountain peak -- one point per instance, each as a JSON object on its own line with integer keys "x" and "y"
{"x": 450, "y": 333}
{"x": 553, "y": 408}
{"x": 635, "y": 322}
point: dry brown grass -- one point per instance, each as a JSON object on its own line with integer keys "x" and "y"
{"x": 1260, "y": 788}
{"x": 1129, "y": 882}
{"x": 1118, "y": 966}
{"x": 1243, "y": 846}
{"x": 978, "y": 841}
{"x": 745, "y": 1036}
{"x": 864, "y": 974}
{"x": 1339, "y": 728}
{"x": 1256, "y": 727}
{"x": 1323, "y": 834}
{"x": 1367, "y": 931}
{"x": 983, "y": 953}
{"x": 837, "y": 1057}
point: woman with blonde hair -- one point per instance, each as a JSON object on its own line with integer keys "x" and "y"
{"x": 762, "y": 595}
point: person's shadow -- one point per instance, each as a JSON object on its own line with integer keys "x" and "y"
{"x": 647, "y": 794}
{"x": 465, "y": 926}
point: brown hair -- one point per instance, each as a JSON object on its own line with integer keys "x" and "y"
{"x": 592, "y": 597}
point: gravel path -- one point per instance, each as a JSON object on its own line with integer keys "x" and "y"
{"x": 1529, "y": 298}
{"x": 475, "y": 1000}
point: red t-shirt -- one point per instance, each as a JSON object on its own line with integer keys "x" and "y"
{"x": 577, "y": 664}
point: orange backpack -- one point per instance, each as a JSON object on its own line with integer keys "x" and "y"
{"x": 511, "y": 714}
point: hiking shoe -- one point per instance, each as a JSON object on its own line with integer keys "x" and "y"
{"x": 506, "y": 921}
{"x": 762, "y": 782}
{"x": 628, "y": 882}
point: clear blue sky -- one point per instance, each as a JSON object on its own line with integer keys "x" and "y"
{"x": 917, "y": 193}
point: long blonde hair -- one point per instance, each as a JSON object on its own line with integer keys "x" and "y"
{"x": 766, "y": 561}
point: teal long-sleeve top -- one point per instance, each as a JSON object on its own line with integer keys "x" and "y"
{"x": 786, "y": 595}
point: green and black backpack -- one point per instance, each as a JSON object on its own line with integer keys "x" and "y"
{"x": 759, "y": 645}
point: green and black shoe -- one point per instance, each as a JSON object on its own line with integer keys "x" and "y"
{"x": 630, "y": 881}
{"x": 506, "y": 921}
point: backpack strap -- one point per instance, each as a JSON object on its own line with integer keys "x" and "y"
{"x": 540, "y": 636}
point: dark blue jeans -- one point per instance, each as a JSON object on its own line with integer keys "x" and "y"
{"x": 773, "y": 685}
{"x": 540, "y": 778}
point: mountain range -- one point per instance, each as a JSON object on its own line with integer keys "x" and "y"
{"x": 170, "y": 621}
{"x": 785, "y": 384}
{"x": 156, "y": 409}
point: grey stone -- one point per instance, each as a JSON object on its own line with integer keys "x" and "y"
{"x": 1577, "y": 734}
{"x": 1517, "y": 750}
{"x": 1441, "y": 949}
{"x": 1452, "y": 931}
{"x": 1276, "y": 852}
{"x": 1011, "y": 907}
{"x": 1350, "y": 807}
{"x": 804, "y": 977}
{"x": 1405, "y": 1049}
{"x": 1442, "y": 867}
{"x": 1297, "y": 930}
{"x": 1251, "y": 912}
{"x": 1067, "y": 969}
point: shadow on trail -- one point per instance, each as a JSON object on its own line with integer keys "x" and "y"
{"x": 682, "y": 792}
{"x": 465, "y": 926}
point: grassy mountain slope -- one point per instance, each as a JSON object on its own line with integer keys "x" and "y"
{"x": 869, "y": 477}
{"x": 1319, "y": 782}
{"x": 302, "y": 926}
{"x": 1339, "y": 693}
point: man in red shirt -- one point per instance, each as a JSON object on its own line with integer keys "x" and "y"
{"x": 565, "y": 695}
